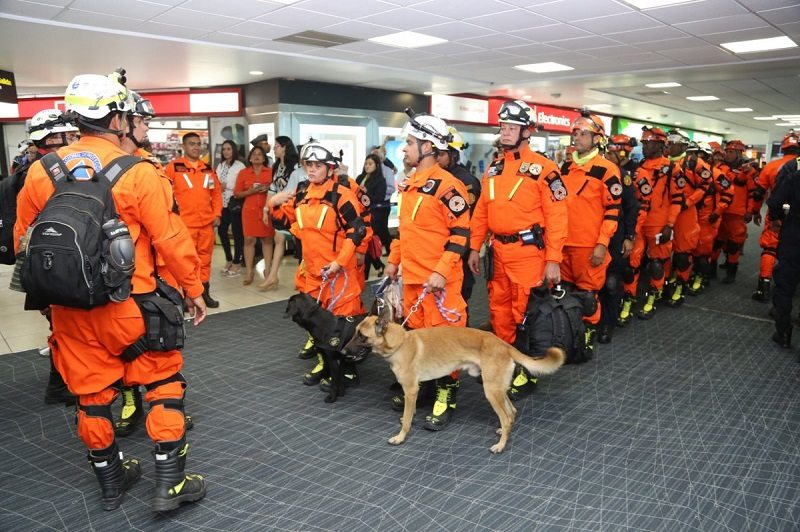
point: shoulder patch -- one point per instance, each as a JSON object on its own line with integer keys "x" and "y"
{"x": 615, "y": 189}
{"x": 680, "y": 181}
{"x": 365, "y": 201}
{"x": 557, "y": 188}
{"x": 627, "y": 180}
{"x": 496, "y": 168}
{"x": 705, "y": 174}
{"x": 455, "y": 202}
{"x": 724, "y": 182}
{"x": 598, "y": 172}
{"x": 431, "y": 186}
{"x": 644, "y": 187}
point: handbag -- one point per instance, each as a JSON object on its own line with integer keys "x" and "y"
{"x": 235, "y": 204}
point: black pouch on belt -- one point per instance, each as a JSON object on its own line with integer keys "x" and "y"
{"x": 488, "y": 262}
{"x": 162, "y": 312}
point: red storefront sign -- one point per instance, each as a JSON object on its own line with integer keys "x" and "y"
{"x": 551, "y": 118}
{"x": 200, "y": 102}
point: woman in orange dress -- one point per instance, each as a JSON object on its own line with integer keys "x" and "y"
{"x": 251, "y": 185}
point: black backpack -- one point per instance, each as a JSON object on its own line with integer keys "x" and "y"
{"x": 553, "y": 320}
{"x": 66, "y": 250}
{"x": 9, "y": 190}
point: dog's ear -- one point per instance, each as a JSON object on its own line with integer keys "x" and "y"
{"x": 383, "y": 321}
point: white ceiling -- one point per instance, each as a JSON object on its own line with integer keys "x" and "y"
{"x": 614, "y": 48}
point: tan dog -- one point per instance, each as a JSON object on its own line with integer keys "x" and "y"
{"x": 426, "y": 354}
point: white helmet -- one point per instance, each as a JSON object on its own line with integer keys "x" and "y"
{"x": 314, "y": 151}
{"x": 94, "y": 96}
{"x": 516, "y": 112}
{"x": 428, "y": 127}
{"x": 676, "y": 136}
{"x": 48, "y": 122}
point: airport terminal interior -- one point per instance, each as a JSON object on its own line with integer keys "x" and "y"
{"x": 686, "y": 421}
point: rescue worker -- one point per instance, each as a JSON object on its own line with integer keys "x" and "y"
{"x": 733, "y": 229}
{"x": 326, "y": 215}
{"x": 593, "y": 213}
{"x": 199, "y": 198}
{"x": 522, "y": 211}
{"x": 693, "y": 176}
{"x": 618, "y": 151}
{"x": 433, "y": 212}
{"x": 134, "y": 143}
{"x": 450, "y": 160}
{"x": 49, "y": 131}
{"x": 86, "y": 344}
{"x": 660, "y": 201}
{"x": 784, "y": 210}
{"x": 769, "y": 237}
{"x": 709, "y": 216}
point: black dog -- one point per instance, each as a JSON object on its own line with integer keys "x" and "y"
{"x": 330, "y": 333}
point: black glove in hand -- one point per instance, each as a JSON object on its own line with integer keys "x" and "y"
{"x": 666, "y": 234}
{"x": 713, "y": 217}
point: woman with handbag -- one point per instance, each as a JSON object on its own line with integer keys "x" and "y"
{"x": 227, "y": 171}
{"x": 251, "y": 186}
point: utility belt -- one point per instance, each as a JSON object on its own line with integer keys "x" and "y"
{"x": 162, "y": 311}
{"x": 529, "y": 237}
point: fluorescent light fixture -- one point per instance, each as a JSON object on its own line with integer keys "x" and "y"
{"x": 407, "y": 39}
{"x": 738, "y": 109}
{"x": 759, "y": 45}
{"x": 764, "y": 117}
{"x": 666, "y": 85}
{"x": 786, "y": 124}
{"x": 428, "y": 93}
{"x": 256, "y": 73}
{"x": 649, "y": 4}
{"x": 541, "y": 68}
{"x": 702, "y": 98}
{"x": 677, "y": 123}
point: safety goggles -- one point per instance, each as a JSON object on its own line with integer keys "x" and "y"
{"x": 513, "y": 111}
{"x": 144, "y": 108}
{"x": 315, "y": 152}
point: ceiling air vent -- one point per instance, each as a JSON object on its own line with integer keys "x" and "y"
{"x": 317, "y": 38}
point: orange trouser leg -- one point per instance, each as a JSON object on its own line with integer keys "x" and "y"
{"x": 661, "y": 252}
{"x": 576, "y": 269}
{"x": 428, "y": 313}
{"x": 95, "y": 422}
{"x": 687, "y": 234}
{"x": 769, "y": 251}
{"x": 165, "y": 420}
{"x": 705, "y": 242}
{"x": 635, "y": 260}
{"x": 345, "y": 290}
{"x": 203, "y": 238}
{"x": 507, "y": 304}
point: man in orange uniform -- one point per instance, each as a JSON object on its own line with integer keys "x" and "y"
{"x": 326, "y": 216}
{"x": 593, "y": 213}
{"x": 733, "y": 229}
{"x": 433, "y": 211}
{"x": 522, "y": 206}
{"x": 769, "y": 235}
{"x": 199, "y": 198}
{"x": 694, "y": 176}
{"x": 709, "y": 216}
{"x": 660, "y": 201}
{"x": 87, "y": 344}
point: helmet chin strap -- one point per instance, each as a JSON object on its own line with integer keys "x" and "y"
{"x": 519, "y": 141}
{"x": 130, "y": 134}
{"x": 423, "y": 155}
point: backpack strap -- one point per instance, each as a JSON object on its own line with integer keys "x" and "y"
{"x": 560, "y": 325}
{"x": 55, "y": 167}
{"x": 57, "y": 170}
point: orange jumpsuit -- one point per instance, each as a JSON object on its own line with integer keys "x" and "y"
{"x": 717, "y": 200}
{"x": 86, "y": 344}
{"x": 519, "y": 190}
{"x": 366, "y": 214}
{"x": 433, "y": 212}
{"x": 769, "y": 237}
{"x": 693, "y": 176}
{"x": 326, "y": 238}
{"x": 733, "y": 229}
{"x": 199, "y": 198}
{"x": 660, "y": 201}
{"x": 593, "y": 208}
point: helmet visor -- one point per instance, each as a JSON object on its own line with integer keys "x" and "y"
{"x": 315, "y": 152}
{"x": 513, "y": 112}
{"x": 144, "y": 108}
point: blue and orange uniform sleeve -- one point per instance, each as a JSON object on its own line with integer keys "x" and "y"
{"x": 612, "y": 203}
{"x": 458, "y": 223}
{"x": 554, "y": 208}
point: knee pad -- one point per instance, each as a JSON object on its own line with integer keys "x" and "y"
{"x": 612, "y": 283}
{"x": 681, "y": 261}
{"x": 628, "y": 273}
{"x": 166, "y": 420}
{"x": 702, "y": 265}
{"x": 588, "y": 300}
{"x": 656, "y": 269}
{"x": 96, "y": 426}
{"x": 732, "y": 248}
{"x": 718, "y": 244}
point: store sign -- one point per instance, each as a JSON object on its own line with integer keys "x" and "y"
{"x": 215, "y": 102}
{"x": 550, "y": 118}
{"x": 460, "y": 108}
{"x": 8, "y": 95}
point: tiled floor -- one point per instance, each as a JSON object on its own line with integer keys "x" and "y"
{"x": 20, "y": 330}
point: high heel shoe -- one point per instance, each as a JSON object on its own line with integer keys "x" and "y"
{"x": 268, "y": 285}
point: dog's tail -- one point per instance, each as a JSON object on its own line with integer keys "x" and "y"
{"x": 552, "y": 360}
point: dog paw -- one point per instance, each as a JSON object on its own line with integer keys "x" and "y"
{"x": 499, "y": 431}
{"x": 497, "y": 448}
{"x": 396, "y": 440}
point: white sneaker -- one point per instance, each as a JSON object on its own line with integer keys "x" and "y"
{"x": 44, "y": 351}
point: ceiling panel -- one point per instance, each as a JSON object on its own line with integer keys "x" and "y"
{"x": 299, "y": 19}
{"x": 760, "y": 5}
{"x": 783, "y": 15}
{"x": 259, "y": 30}
{"x": 350, "y": 9}
{"x": 196, "y": 20}
{"x": 522, "y": 19}
{"x": 586, "y": 43}
{"x": 231, "y": 39}
{"x": 721, "y": 24}
{"x": 29, "y": 9}
{"x": 75, "y": 16}
{"x": 129, "y": 8}
{"x": 405, "y": 19}
{"x": 495, "y": 40}
{"x": 617, "y": 23}
{"x": 357, "y": 29}
{"x": 244, "y": 9}
{"x": 455, "y": 30}
{"x": 459, "y": 9}
{"x": 567, "y": 10}
{"x": 707, "y": 9}
{"x": 176, "y": 31}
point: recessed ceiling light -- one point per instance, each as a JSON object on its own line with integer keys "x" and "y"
{"x": 428, "y": 93}
{"x": 677, "y": 123}
{"x": 649, "y": 4}
{"x": 256, "y": 73}
{"x": 764, "y": 117}
{"x": 541, "y": 68}
{"x": 407, "y": 39}
{"x": 785, "y": 124}
{"x": 738, "y": 109}
{"x": 702, "y": 98}
{"x": 759, "y": 45}
{"x": 666, "y": 85}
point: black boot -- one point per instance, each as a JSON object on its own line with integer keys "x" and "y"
{"x": 604, "y": 333}
{"x": 730, "y": 273}
{"x": 425, "y": 396}
{"x": 173, "y": 486}
{"x": 210, "y": 302}
{"x": 588, "y": 342}
{"x": 712, "y": 270}
{"x": 132, "y": 412}
{"x": 56, "y": 391}
{"x": 114, "y": 475}
{"x": 349, "y": 378}
{"x": 783, "y": 336}
{"x": 761, "y": 293}
{"x": 445, "y": 404}
{"x": 523, "y": 384}
{"x": 677, "y": 296}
